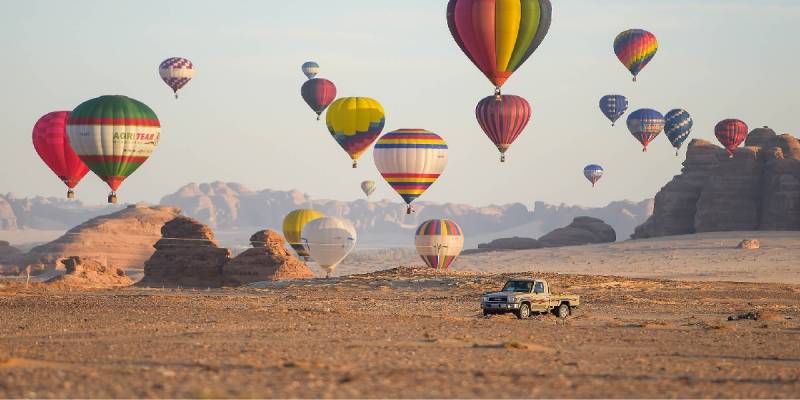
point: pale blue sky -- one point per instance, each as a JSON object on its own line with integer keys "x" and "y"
{"x": 242, "y": 119}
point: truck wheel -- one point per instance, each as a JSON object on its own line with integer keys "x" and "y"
{"x": 486, "y": 313}
{"x": 563, "y": 311}
{"x": 523, "y": 312}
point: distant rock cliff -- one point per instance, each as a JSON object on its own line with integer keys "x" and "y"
{"x": 757, "y": 189}
{"x": 46, "y": 213}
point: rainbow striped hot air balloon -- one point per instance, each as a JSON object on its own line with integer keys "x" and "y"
{"x": 498, "y": 36}
{"x": 114, "y": 136}
{"x": 410, "y": 160}
{"x": 635, "y": 48}
{"x": 439, "y": 242}
{"x": 355, "y": 123}
{"x": 176, "y": 72}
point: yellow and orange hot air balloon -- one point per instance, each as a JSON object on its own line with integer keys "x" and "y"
{"x": 355, "y": 123}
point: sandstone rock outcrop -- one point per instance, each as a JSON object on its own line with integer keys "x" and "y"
{"x": 514, "y": 243}
{"x": 267, "y": 260}
{"x": 757, "y": 189}
{"x": 582, "y": 230}
{"x": 186, "y": 256}
{"x": 123, "y": 239}
{"x": 749, "y": 244}
{"x": 88, "y": 273}
{"x": 8, "y": 253}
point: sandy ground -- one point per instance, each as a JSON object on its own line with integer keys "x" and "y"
{"x": 701, "y": 257}
{"x": 406, "y": 333}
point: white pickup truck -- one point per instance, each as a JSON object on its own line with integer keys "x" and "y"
{"x": 525, "y": 296}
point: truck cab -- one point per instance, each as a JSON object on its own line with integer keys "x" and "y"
{"x": 522, "y": 297}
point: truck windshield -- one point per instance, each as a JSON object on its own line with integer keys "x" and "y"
{"x": 518, "y": 286}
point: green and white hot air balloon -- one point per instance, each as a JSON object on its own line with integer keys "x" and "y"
{"x": 114, "y": 136}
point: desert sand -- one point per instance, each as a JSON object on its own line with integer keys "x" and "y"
{"x": 401, "y": 333}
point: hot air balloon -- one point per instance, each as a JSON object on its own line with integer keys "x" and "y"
{"x": 645, "y": 124}
{"x": 318, "y": 94}
{"x": 593, "y": 173}
{"x": 503, "y": 121}
{"x": 355, "y": 122}
{"x": 310, "y": 69}
{"x": 329, "y": 240}
{"x": 635, "y": 48}
{"x": 731, "y": 133}
{"x": 613, "y": 106}
{"x": 293, "y": 224}
{"x": 498, "y": 36}
{"x": 677, "y": 126}
{"x": 439, "y": 242}
{"x": 176, "y": 73}
{"x": 52, "y": 144}
{"x": 368, "y": 187}
{"x": 114, "y": 136}
{"x": 410, "y": 160}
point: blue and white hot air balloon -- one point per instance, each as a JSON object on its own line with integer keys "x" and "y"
{"x": 310, "y": 69}
{"x": 613, "y": 106}
{"x": 593, "y": 173}
{"x": 645, "y": 124}
{"x": 678, "y": 125}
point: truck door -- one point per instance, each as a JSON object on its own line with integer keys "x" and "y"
{"x": 539, "y": 297}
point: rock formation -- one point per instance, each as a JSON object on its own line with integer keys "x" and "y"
{"x": 514, "y": 243}
{"x": 757, "y": 189}
{"x": 47, "y": 213}
{"x": 186, "y": 256}
{"x": 8, "y": 253}
{"x": 582, "y": 230}
{"x": 87, "y": 273}
{"x": 123, "y": 239}
{"x": 749, "y": 244}
{"x": 267, "y": 260}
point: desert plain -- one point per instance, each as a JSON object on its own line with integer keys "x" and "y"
{"x": 408, "y": 332}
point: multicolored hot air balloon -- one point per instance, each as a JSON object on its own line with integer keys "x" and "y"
{"x": 293, "y": 224}
{"x": 677, "y": 126}
{"x": 593, "y": 173}
{"x": 613, "y": 106}
{"x": 114, "y": 136}
{"x": 310, "y": 69}
{"x": 410, "y": 160}
{"x": 498, "y": 36}
{"x": 329, "y": 241}
{"x": 176, "y": 73}
{"x": 731, "y": 133}
{"x": 368, "y": 187}
{"x": 645, "y": 124}
{"x": 318, "y": 94}
{"x": 635, "y": 48}
{"x": 355, "y": 123}
{"x": 503, "y": 121}
{"x": 52, "y": 144}
{"x": 439, "y": 242}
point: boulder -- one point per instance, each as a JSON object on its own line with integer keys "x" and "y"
{"x": 514, "y": 243}
{"x": 186, "y": 256}
{"x": 582, "y": 230}
{"x": 84, "y": 272}
{"x": 268, "y": 260}
{"x": 749, "y": 244}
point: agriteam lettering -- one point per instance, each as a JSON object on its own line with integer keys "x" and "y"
{"x": 139, "y": 136}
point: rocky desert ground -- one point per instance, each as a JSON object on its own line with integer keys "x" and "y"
{"x": 401, "y": 333}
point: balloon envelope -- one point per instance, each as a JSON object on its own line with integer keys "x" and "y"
{"x": 593, "y": 173}
{"x": 355, "y": 123}
{"x": 677, "y": 126}
{"x": 310, "y": 69}
{"x": 293, "y": 224}
{"x": 731, "y": 133}
{"x": 176, "y": 72}
{"x": 368, "y": 187}
{"x": 439, "y": 242}
{"x": 318, "y": 93}
{"x": 114, "y": 136}
{"x": 498, "y": 36}
{"x": 645, "y": 124}
{"x": 503, "y": 120}
{"x": 52, "y": 144}
{"x": 329, "y": 240}
{"x": 410, "y": 160}
{"x": 635, "y": 48}
{"x": 613, "y": 106}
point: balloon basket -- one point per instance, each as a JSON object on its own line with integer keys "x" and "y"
{"x": 176, "y": 95}
{"x": 502, "y": 158}
{"x": 70, "y": 194}
{"x": 409, "y": 210}
{"x": 318, "y": 116}
{"x": 355, "y": 164}
{"x": 112, "y": 198}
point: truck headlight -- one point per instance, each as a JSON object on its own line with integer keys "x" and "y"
{"x": 485, "y": 299}
{"x": 512, "y": 299}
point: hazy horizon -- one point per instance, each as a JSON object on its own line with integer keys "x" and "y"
{"x": 242, "y": 119}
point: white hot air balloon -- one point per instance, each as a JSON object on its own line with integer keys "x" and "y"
{"x": 329, "y": 240}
